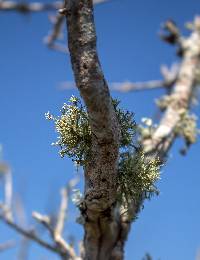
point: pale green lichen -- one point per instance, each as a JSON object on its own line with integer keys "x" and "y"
{"x": 127, "y": 125}
{"x": 74, "y": 131}
{"x": 164, "y": 101}
{"x": 137, "y": 174}
{"x": 187, "y": 128}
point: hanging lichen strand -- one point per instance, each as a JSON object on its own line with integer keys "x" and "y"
{"x": 137, "y": 175}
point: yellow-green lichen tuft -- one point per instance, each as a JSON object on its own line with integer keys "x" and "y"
{"x": 137, "y": 176}
{"x": 136, "y": 173}
{"x": 187, "y": 128}
{"x": 74, "y": 131}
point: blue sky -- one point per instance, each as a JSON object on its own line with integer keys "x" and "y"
{"x": 129, "y": 49}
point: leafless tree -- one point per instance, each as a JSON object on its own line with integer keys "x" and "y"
{"x": 107, "y": 222}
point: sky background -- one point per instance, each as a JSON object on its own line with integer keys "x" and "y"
{"x": 30, "y": 74}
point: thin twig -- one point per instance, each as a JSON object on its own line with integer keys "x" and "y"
{"x": 29, "y": 7}
{"x": 56, "y": 233}
{"x": 6, "y": 245}
{"x": 6, "y": 173}
{"x": 28, "y": 233}
{"x": 62, "y": 213}
{"x": 130, "y": 86}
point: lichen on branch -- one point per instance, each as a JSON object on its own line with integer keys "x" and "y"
{"x": 137, "y": 176}
{"x": 136, "y": 173}
{"x": 74, "y": 131}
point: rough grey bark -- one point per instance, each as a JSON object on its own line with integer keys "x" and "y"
{"x": 101, "y": 168}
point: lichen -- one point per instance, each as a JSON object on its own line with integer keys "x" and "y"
{"x": 164, "y": 101}
{"x": 136, "y": 173}
{"x": 127, "y": 125}
{"x": 187, "y": 128}
{"x": 137, "y": 176}
{"x": 74, "y": 131}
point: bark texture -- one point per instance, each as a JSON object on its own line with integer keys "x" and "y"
{"x": 101, "y": 169}
{"x": 106, "y": 224}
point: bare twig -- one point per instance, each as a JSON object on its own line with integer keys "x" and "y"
{"x": 8, "y": 188}
{"x": 6, "y": 245}
{"x": 54, "y": 35}
{"x": 169, "y": 78}
{"x": 26, "y": 8}
{"x": 21, "y": 219}
{"x": 60, "y": 246}
{"x": 62, "y": 214}
{"x": 130, "y": 86}
{"x": 5, "y": 171}
{"x": 56, "y": 233}
{"x": 29, "y": 7}
{"x": 28, "y": 233}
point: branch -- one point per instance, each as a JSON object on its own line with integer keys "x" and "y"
{"x": 101, "y": 167}
{"x": 58, "y": 22}
{"x": 87, "y": 69}
{"x": 28, "y": 233}
{"x": 169, "y": 78}
{"x": 55, "y": 33}
{"x": 6, "y": 245}
{"x": 29, "y": 7}
{"x": 61, "y": 215}
{"x": 5, "y": 171}
{"x": 6, "y": 217}
{"x": 34, "y": 7}
{"x": 56, "y": 233}
{"x": 137, "y": 86}
{"x": 60, "y": 246}
{"x": 160, "y": 142}
{"x": 65, "y": 193}
{"x": 64, "y": 248}
{"x": 179, "y": 99}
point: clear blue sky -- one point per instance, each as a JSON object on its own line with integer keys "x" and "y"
{"x": 129, "y": 49}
